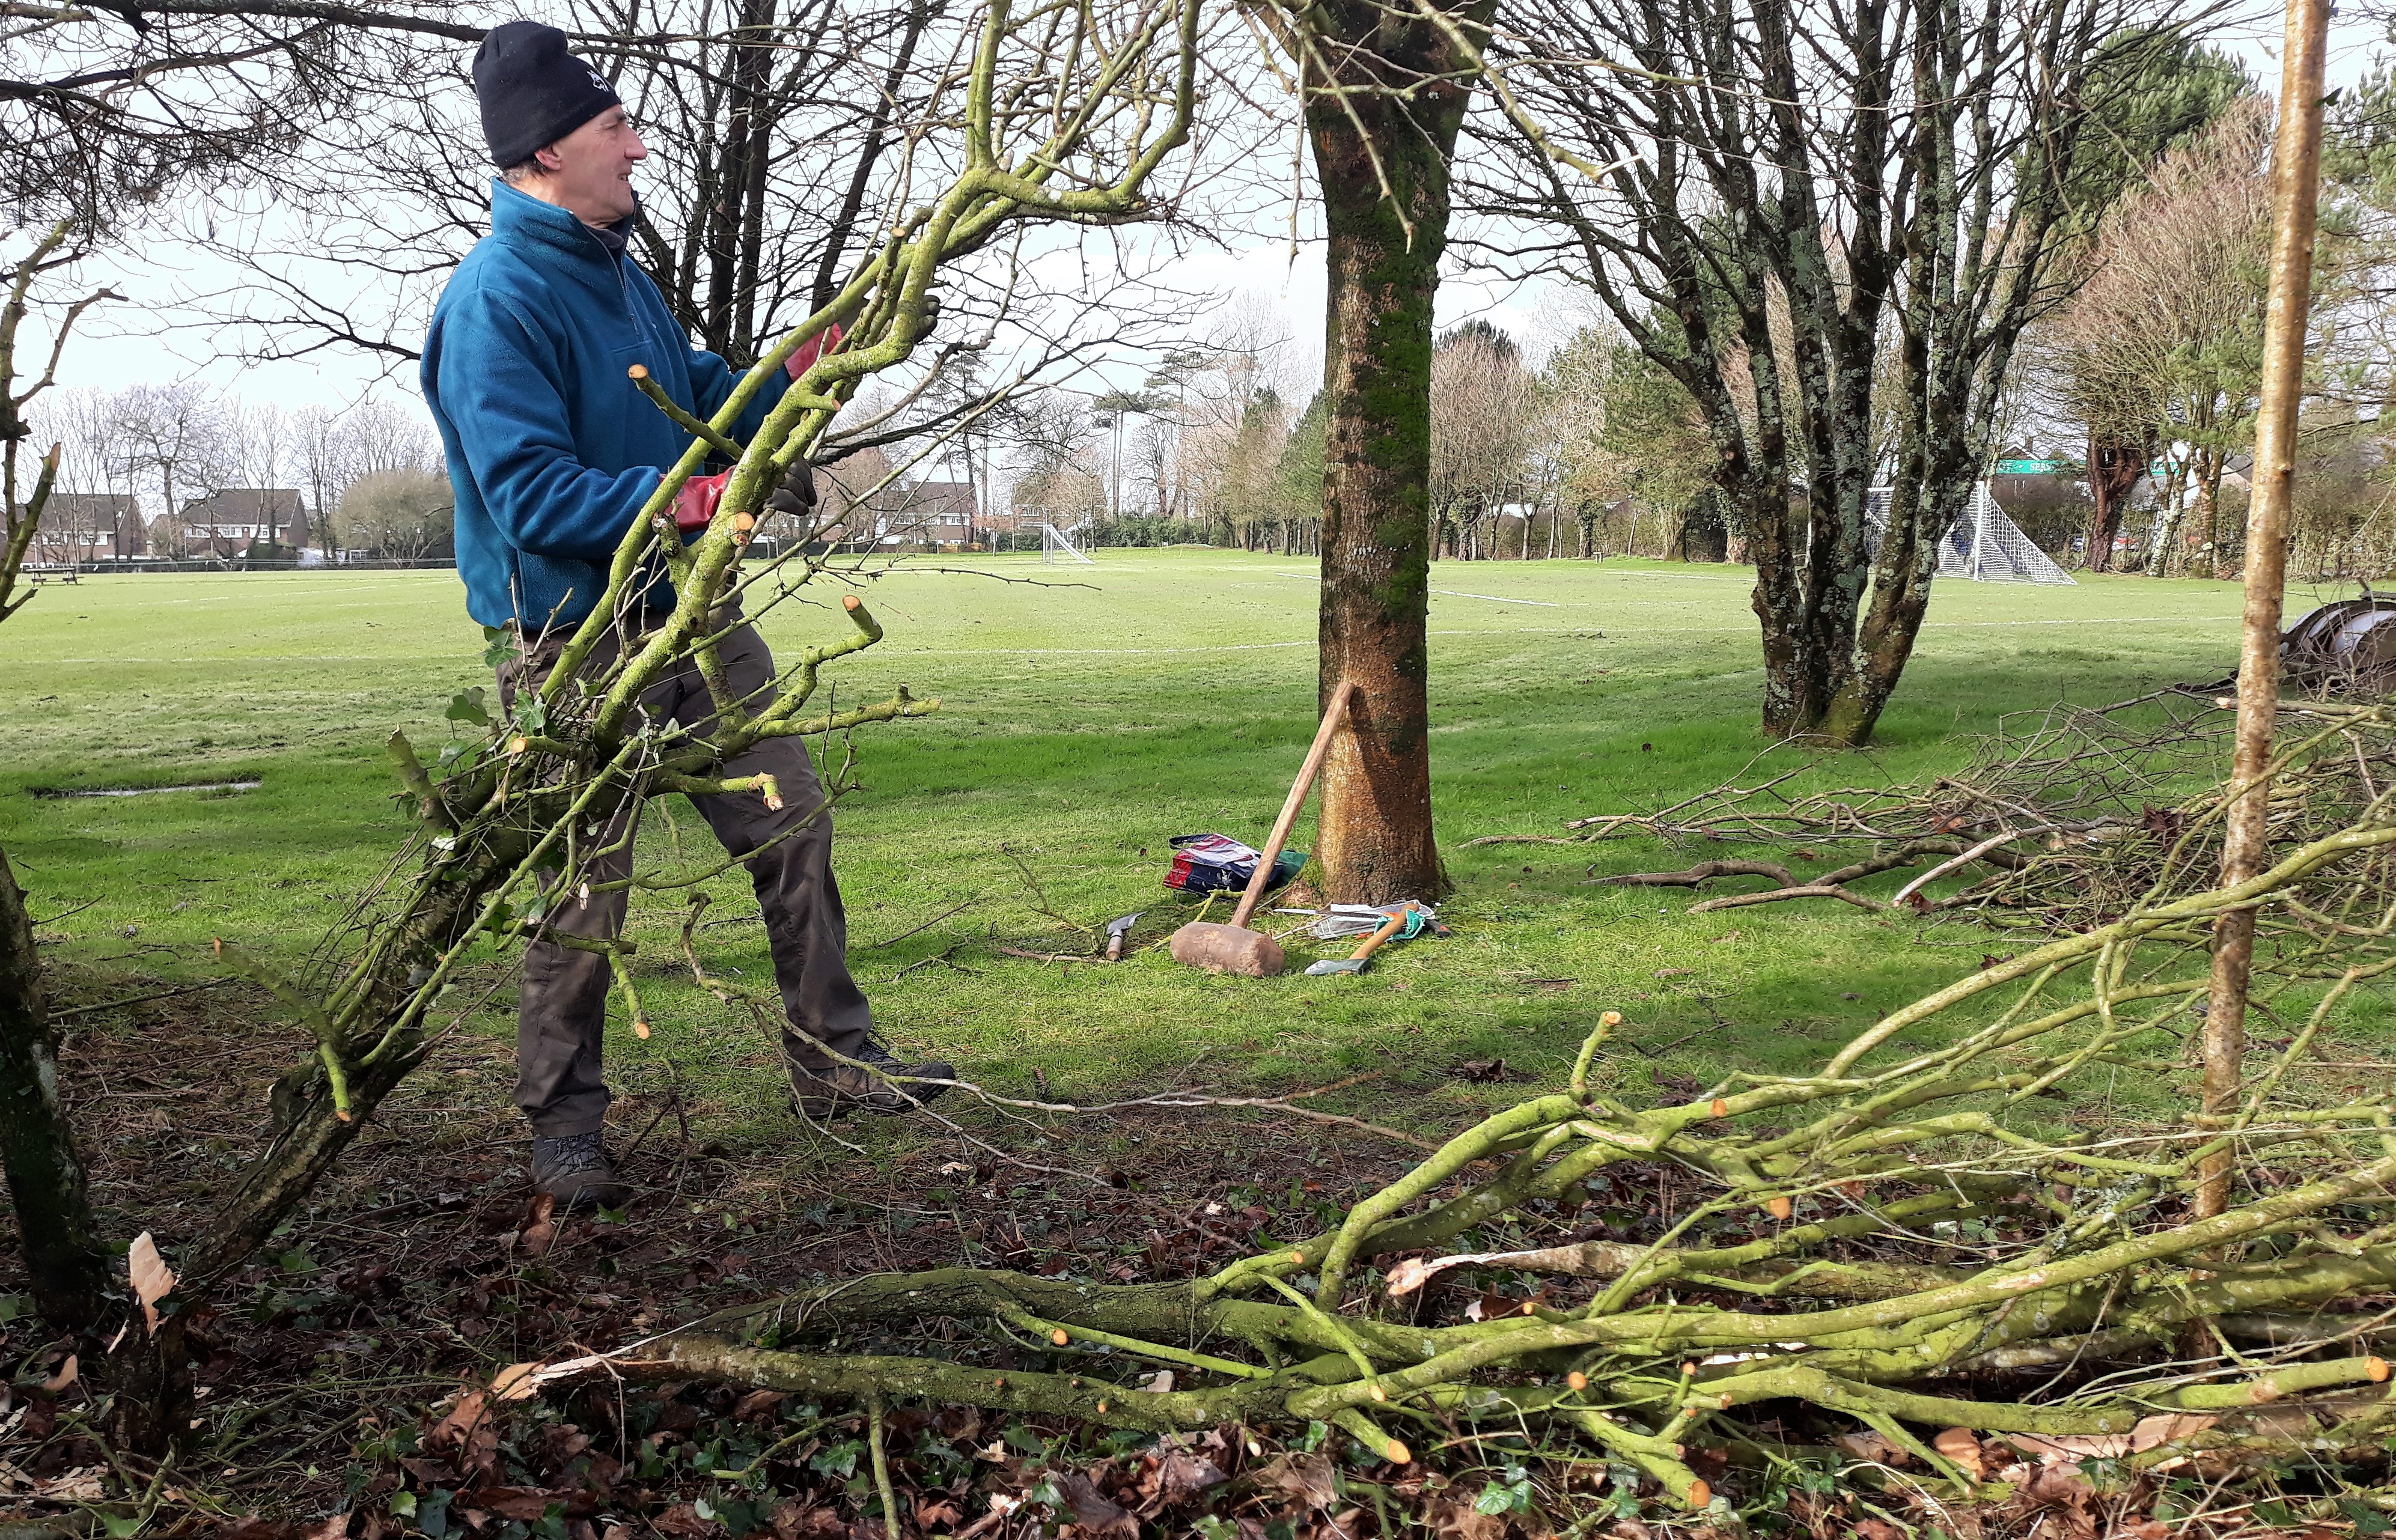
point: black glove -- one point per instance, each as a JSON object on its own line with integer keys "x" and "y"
{"x": 796, "y": 496}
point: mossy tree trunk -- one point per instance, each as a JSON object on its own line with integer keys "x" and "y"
{"x": 1385, "y": 100}
{"x": 65, "y": 1262}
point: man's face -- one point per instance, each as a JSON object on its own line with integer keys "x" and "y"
{"x": 591, "y": 170}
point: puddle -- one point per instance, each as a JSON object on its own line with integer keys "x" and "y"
{"x": 227, "y": 788}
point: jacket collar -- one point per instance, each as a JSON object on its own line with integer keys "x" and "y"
{"x": 521, "y": 219}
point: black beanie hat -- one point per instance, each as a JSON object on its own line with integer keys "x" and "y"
{"x": 534, "y": 93}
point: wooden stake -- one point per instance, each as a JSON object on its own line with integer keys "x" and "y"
{"x": 2296, "y": 194}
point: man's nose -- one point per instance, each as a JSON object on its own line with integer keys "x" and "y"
{"x": 639, "y": 151}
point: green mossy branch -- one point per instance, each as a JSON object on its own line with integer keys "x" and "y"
{"x": 1871, "y": 1306}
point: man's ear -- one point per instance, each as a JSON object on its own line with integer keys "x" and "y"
{"x": 549, "y": 160}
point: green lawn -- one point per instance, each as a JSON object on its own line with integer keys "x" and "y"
{"x": 1172, "y": 692}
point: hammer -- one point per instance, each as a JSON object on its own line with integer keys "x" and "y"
{"x": 1234, "y": 948}
{"x": 1355, "y": 961}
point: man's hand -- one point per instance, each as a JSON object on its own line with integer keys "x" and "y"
{"x": 796, "y": 496}
{"x": 694, "y": 504}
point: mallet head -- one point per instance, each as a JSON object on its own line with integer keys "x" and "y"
{"x": 1227, "y": 950}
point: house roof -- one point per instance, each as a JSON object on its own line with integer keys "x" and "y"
{"x": 88, "y": 504}
{"x": 244, "y": 505}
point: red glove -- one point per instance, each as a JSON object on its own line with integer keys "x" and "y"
{"x": 694, "y": 504}
{"x": 812, "y": 348}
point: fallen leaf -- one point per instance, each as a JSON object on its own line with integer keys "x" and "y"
{"x": 1306, "y": 1478}
{"x": 1457, "y": 1519}
{"x": 756, "y": 1403}
{"x": 1878, "y": 1529}
{"x": 1871, "y": 1448}
{"x": 148, "y": 1271}
{"x": 256, "y": 1527}
{"x": 1181, "y": 1476}
{"x": 2168, "y": 1428}
{"x": 527, "y": 1504}
{"x": 1482, "y": 1069}
{"x": 539, "y": 1232}
{"x": 2145, "y": 1529}
{"x": 463, "y": 1419}
{"x": 791, "y": 1522}
{"x": 2061, "y": 1486}
{"x": 79, "y": 1485}
{"x": 682, "y": 1522}
{"x": 1959, "y": 1445}
{"x": 516, "y": 1382}
{"x": 1160, "y": 1382}
{"x": 335, "y": 1527}
{"x": 64, "y": 1377}
{"x": 1094, "y": 1513}
{"x": 2072, "y": 1447}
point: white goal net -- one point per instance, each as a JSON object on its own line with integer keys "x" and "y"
{"x": 1055, "y": 548}
{"x": 1985, "y": 546}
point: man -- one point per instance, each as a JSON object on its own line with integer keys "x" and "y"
{"x": 552, "y": 451}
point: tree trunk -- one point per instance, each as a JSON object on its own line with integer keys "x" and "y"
{"x": 2114, "y": 467}
{"x": 66, "y": 1263}
{"x": 1383, "y": 256}
{"x": 65, "y": 1258}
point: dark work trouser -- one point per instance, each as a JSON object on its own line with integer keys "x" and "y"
{"x": 564, "y": 1005}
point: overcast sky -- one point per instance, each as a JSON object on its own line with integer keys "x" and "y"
{"x": 123, "y": 347}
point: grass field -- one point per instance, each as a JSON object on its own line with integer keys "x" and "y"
{"x": 1170, "y": 692}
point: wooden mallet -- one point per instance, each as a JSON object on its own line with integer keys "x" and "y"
{"x": 1234, "y": 949}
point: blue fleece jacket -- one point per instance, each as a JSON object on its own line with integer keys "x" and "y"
{"x": 553, "y": 449}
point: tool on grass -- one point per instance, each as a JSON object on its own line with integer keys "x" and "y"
{"x": 1355, "y": 962}
{"x": 1118, "y": 931}
{"x": 1234, "y": 948}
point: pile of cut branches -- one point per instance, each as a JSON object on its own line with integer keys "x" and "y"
{"x": 2073, "y": 819}
{"x": 1912, "y": 1238}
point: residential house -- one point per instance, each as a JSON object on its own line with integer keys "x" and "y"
{"x": 891, "y": 512}
{"x": 79, "y": 527}
{"x": 226, "y": 524}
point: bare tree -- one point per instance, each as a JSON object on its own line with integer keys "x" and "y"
{"x": 1481, "y": 407}
{"x": 177, "y": 434}
{"x": 2163, "y": 343}
{"x": 401, "y": 514}
{"x": 1831, "y": 225}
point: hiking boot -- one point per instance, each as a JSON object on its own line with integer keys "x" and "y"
{"x": 839, "y": 1089}
{"x": 575, "y": 1170}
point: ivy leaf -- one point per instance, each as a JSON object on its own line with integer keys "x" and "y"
{"x": 497, "y": 646}
{"x": 466, "y": 705}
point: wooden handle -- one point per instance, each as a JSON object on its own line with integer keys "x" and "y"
{"x": 1390, "y": 927}
{"x": 1333, "y": 716}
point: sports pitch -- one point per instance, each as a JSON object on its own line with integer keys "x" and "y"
{"x": 1088, "y": 714}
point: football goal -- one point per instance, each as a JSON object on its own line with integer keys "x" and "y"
{"x": 1985, "y": 544}
{"x": 1055, "y": 548}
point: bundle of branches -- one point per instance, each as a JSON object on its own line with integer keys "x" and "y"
{"x": 2069, "y": 821}
{"x": 1062, "y": 114}
{"x": 1896, "y": 1240}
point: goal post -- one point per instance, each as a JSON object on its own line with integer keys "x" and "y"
{"x": 1056, "y": 548}
{"x": 1985, "y": 546}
